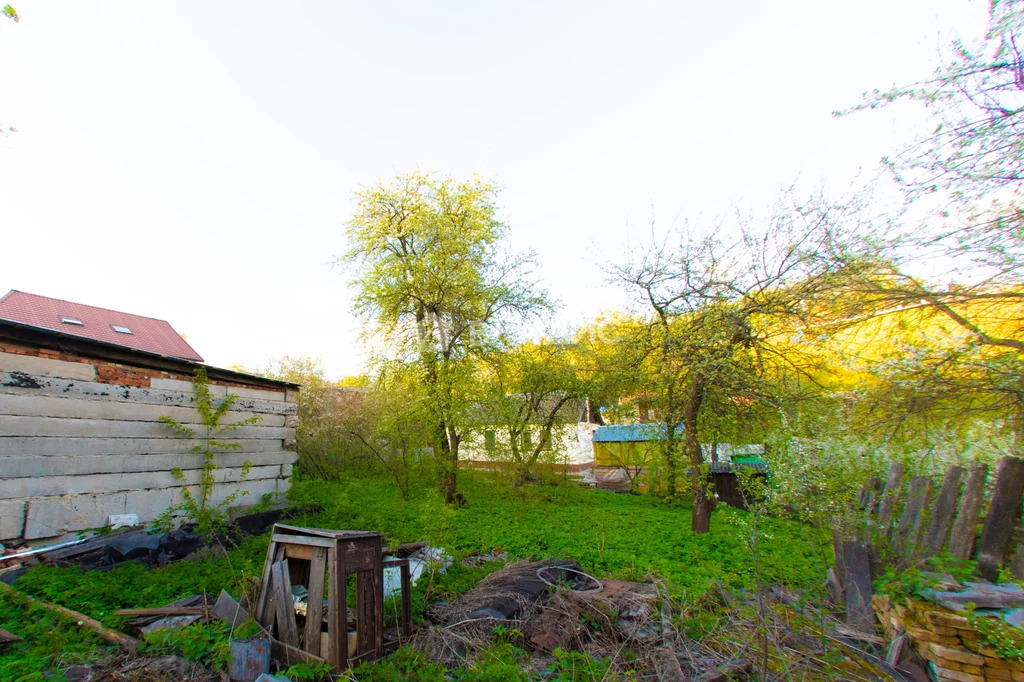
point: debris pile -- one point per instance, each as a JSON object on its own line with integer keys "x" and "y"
{"x": 555, "y": 605}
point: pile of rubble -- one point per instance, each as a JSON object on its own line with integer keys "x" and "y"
{"x": 555, "y": 605}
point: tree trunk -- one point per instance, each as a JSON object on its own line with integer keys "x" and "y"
{"x": 703, "y": 503}
{"x": 671, "y": 476}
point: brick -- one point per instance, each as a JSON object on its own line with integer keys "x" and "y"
{"x": 996, "y": 674}
{"x": 959, "y": 655}
{"x": 957, "y": 675}
{"x": 926, "y": 636}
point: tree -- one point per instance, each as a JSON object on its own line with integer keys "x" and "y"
{"x": 435, "y": 280}
{"x": 720, "y": 314}
{"x": 959, "y": 269}
{"x": 534, "y": 390}
{"x": 323, "y": 407}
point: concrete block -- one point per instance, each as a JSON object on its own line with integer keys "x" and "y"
{"x": 259, "y": 393}
{"x": 149, "y": 504}
{"x": 12, "y": 519}
{"x": 53, "y": 516}
{"x": 184, "y": 386}
{"x": 291, "y": 421}
{"x": 30, "y": 364}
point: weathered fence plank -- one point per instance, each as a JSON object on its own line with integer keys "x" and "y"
{"x": 908, "y": 530}
{"x": 1002, "y": 517}
{"x": 888, "y": 503}
{"x": 942, "y": 513}
{"x": 961, "y": 539}
{"x": 859, "y": 613}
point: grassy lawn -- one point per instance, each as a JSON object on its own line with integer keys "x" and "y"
{"x": 609, "y": 534}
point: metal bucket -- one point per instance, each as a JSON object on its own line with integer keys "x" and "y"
{"x": 249, "y": 659}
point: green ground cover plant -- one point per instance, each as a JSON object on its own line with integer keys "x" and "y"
{"x": 611, "y": 535}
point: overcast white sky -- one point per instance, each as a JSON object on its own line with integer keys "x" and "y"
{"x": 195, "y": 161}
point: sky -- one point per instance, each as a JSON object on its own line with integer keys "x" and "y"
{"x": 196, "y": 161}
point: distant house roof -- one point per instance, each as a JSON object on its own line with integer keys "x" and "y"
{"x": 100, "y": 324}
{"x": 632, "y": 433}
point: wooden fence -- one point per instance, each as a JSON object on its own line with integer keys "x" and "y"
{"x": 892, "y": 525}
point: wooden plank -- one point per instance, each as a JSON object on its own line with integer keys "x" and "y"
{"x": 165, "y": 611}
{"x": 1003, "y": 515}
{"x": 366, "y": 623}
{"x": 48, "y": 406}
{"x": 262, "y": 612}
{"x": 31, "y": 466}
{"x": 6, "y": 637}
{"x": 961, "y": 538}
{"x": 859, "y": 613}
{"x": 406, "y": 599}
{"x": 871, "y": 497}
{"x": 908, "y": 529}
{"x": 942, "y": 513}
{"x": 837, "y": 550}
{"x": 39, "y": 384}
{"x": 107, "y": 428}
{"x": 23, "y": 446}
{"x": 303, "y": 552}
{"x": 889, "y": 497}
{"x": 315, "y": 600}
{"x": 377, "y": 582}
{"x": 307, "y": 540}
{"x": 284, "y": 604}
{"x": 1017, "y": 562}
{"x": 337, "y": 610}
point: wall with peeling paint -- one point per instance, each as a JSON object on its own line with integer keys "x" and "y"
{"x": 80, "y": 440}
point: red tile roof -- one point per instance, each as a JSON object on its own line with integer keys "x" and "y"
{"x": 147, "y": 333}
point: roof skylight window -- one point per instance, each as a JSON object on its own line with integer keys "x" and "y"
{"x": 121, "y": 329}
{"x": 71, "y": 320}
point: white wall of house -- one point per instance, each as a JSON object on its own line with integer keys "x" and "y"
{"x": 75, "y": 450}
{"x": 571, "y": 444}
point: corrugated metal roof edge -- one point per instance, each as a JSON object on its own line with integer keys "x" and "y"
{"x": 216, "y": 372}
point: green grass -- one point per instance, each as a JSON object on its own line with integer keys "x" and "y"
{"x": 611, "y": 535}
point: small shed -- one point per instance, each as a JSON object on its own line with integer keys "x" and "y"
{"x": 625, "y": 453}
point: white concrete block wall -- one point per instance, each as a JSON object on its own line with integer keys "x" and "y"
{"x": 572, "y": 442}
{"x": 74, "y": 450}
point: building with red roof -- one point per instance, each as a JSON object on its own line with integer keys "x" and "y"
{"x": 100, "y": 324}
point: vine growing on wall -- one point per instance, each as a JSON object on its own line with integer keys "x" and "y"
{"x": 197, "y": 505}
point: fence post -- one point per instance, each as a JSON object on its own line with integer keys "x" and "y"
{"x": 1003, "y": 515}
{"x": 961, "y": 540}
{"x": 942, "y": 514}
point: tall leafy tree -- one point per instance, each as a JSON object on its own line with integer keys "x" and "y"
{"x": 718, "y": 311}
{"x": 435, "y": 279}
